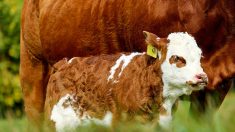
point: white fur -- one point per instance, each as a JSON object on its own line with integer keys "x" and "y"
{"x": 71, "y": 60}
{"x": 106, "y": 121}
{"x": 174, "y": 78}
{"x": 86, "y": 120}
{"x": 69, "y": 118}
{"x": 113, "y": 69}
{"x": 64, "y": 117}
{"x": 165, "y": 121}
{"x": 126, "y": 59}
{"x": 159, "y": 54}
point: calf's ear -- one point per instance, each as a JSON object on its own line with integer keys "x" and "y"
{"x": 150, "y": 38}
{"x": 154, "y": 44}
{"x": 154, "y": 40}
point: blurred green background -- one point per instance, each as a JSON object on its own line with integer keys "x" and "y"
{"x": 10, "y": 92}
{"x": 11, "y": 104}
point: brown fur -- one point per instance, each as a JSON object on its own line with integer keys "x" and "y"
{"x": 179, "y": 61}
{"x": 54, "y": 29}
{"x": 138, "y": 90}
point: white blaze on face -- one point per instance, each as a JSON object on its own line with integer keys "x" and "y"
{"x": 126, "y": 59}
{"x": 183, "y": 45}
{"x": 69, "y": 118}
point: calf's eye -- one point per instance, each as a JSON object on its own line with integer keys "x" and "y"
{"x": 178, "y": 60}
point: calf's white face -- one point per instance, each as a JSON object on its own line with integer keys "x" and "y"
{"x": 182, "y": 68}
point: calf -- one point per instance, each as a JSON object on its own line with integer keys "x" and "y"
{"x": 100, "y": 88}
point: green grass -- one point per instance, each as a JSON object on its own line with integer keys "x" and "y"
{"x": 222, "y": 121}
{"x": 13, "y": 125}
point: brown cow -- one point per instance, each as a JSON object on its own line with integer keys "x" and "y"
{"x": 53, "y": 29}
{"x": 86, "y": 89}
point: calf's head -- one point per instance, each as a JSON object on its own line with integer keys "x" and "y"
{"x": 181, "y": 66}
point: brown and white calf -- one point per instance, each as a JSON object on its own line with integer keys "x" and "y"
{"x": 100, "y": 88}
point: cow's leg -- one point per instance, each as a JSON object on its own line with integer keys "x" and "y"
{"x": 33, "y": 77}
{"x": 208, "y": 101}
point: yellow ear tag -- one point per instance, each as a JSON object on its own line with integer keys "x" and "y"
{"x": 151, "y": 51}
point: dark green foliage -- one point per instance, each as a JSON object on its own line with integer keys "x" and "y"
{"x": 10, "y": 92}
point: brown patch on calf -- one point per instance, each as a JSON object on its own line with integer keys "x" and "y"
{"x": 179, "y": 61}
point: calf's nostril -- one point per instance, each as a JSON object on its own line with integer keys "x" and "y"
{"x": 199, "y": 76}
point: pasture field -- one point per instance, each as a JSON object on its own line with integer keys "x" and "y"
{"x": 223, "y": 121}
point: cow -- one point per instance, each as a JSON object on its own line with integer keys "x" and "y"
{"x": 87, "y": 89}
{"x": 54, "y": 29}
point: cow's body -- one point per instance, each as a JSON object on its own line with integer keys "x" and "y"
{"x": 55, "y": 29}
{"x": 132, "y": 83}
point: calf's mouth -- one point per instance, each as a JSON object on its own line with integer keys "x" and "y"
{"x": 197, "y": 85}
